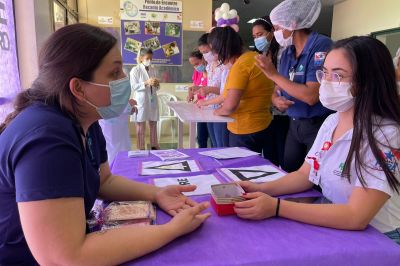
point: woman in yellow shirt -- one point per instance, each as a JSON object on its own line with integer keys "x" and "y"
{"x": 247, "y": 93}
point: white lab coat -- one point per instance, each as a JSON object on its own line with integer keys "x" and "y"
{"x": 116, "y": 133}
{"x": 147, "y": 100}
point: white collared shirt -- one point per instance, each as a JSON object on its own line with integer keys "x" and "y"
{"x": 327, "y": 162}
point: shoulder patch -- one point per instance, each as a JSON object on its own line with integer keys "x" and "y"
{"x": 319, "y": 58}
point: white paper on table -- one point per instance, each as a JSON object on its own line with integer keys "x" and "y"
{"x": 138, "y": 153}
{"x": 170, "y": 167}
{"x": 203, "y": 183}
{"x": 169, "y": 155}
{"x": 257, "y": 174}
{"x": 229, "y": 153}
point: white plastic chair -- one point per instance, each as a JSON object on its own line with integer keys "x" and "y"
{"x": 166, "y": 113}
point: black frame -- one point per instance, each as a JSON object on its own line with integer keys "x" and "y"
{"x": 70, "y": 12}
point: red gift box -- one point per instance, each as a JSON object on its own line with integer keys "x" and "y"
{"x": 224, "y": 196}
{"x": 222, "y": 209}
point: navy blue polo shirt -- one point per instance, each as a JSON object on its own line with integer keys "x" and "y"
{"x": 42, "y": 157}
{"x": 302, "y": 70}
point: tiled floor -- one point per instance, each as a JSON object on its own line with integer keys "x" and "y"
{"x": 166, "y": 142}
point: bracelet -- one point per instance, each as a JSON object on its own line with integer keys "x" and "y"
{"x": 277, "y": 207}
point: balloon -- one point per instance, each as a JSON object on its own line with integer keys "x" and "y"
{"x": 235, "y": 27}
{"x": 217, "y": 16}
{"x": 232, "y": 21}
{"x": 225, "y": 7}
{"x": 225, "y": 16}
{"x": 233, "y": 13}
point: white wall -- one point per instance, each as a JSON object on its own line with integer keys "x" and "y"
{"x": 361, "y": 17}
{"x": 33, "y": 27}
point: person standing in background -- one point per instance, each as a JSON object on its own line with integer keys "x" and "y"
{"x": 247, "y": 93}
{"x": 217, "y": 131}
{"x": 144, "y": 88}
{"x": 116, "y": 132}
{"x": 265, "y": 43}
{"x": 199, "y": 80}
{"x": 297, "y": 88}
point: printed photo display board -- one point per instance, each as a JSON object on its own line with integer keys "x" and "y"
{"x": 155, "y": 24}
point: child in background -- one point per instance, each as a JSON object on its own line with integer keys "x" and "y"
{"x": 144, "y": 88}
{"x": 199, "y": 80}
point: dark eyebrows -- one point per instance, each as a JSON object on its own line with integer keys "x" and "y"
{"x": 336, "y": 69}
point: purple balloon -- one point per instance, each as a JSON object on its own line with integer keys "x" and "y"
{"x": 232, "y": 21}
{"x": 222, "y": 21}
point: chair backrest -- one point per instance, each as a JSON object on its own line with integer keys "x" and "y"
{"x": 163, "y": 98}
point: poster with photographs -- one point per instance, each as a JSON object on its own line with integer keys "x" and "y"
{"x": 153, "y": 44}
{"x": 173, "y": 30}
{"x": 152, "y": 28}
{"x": 170, "y": 49}
{"x": 160, "y": 31}
{"x": 132, "y": 45}
{"x": 132, "y": 27}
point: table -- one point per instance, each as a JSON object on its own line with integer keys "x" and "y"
{"x": 190, "y": 113}
{"x": 229, "y": 240}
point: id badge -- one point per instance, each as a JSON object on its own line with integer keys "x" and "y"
{"x": 291, "y": 74}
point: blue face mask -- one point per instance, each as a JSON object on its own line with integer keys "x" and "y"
{"x": 201, "y": 68}
{"x": 261, "y": 43}
{"x": 120, "y": 91}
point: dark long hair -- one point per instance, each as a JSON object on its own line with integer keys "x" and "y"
{"x": 203, "y": 40}
{"x": 375, "y": 95}
{"x": 266, "y": 23}
{"x": 196, "y": 54}
{"x": 72, "y": 51}
{"x": 225, "y": 42}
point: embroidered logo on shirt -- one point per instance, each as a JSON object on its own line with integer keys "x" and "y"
{"x": 339, "y": 170}
{"x": 319, "y": 58}
{"x": 391, "y": 159}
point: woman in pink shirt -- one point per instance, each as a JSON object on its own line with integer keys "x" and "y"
{"x": 199, "y": 80}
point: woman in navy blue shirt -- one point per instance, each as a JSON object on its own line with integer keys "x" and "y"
{"x": 296, "y": 85}
{"x": 53, "y": 162}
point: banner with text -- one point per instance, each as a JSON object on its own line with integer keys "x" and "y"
{"x": 155, "y": 24}
{"x": 9, "y": 74}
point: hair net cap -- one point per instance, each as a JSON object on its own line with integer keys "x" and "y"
{"x": 296, "y": 14}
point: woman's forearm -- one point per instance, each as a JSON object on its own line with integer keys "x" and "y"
{"x": 119, "y": 188}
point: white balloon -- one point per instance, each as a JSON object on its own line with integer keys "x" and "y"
{"x": 225, "y": 7}
{"x": 217, "y": 16}
{"x": 225, "y": 16}
{"x": 219, "y": 13}
{"x": 232, "y": 13}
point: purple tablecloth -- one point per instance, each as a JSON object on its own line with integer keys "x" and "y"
{"x": 228, "y": 240}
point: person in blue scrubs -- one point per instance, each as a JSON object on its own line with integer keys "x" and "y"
{"x": 297, "y": 88}
{"x": 53, "y": 162}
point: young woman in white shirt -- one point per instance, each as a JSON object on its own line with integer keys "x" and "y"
{"x": 355, "y": 157}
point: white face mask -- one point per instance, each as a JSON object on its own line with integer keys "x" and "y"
{"x": 209, "y": 57}
{"x": 336, "y": 96}
{"x": 146, "y": 63}
{"x": 281, "y": 40}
